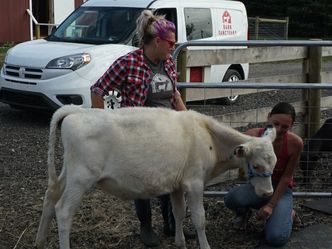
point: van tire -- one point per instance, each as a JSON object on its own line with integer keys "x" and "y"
{"x": 230, "y": 76}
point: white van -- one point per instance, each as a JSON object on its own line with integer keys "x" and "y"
{"x": 48, "y": 73}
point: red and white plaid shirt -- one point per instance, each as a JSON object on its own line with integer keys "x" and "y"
{"x": 131, "y": 76}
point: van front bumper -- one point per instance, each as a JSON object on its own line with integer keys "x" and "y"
{"x": 45, "y": 94}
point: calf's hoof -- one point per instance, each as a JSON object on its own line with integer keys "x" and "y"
{"x": 180, "y": 244}
{"x": 39, "y": 245}
{"x": 181, "y": 247}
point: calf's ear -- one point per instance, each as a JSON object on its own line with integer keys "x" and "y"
{"x": 271, "y": 133}
{"x": 241, "y": 151}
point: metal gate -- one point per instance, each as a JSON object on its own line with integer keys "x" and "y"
{"x": 313, "y": 178}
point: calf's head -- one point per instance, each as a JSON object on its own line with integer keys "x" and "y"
{"x": 261, "y": 160}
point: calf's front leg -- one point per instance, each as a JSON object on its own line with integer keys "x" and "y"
{"x": 195, "y": 204}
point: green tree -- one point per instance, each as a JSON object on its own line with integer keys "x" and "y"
{"x": 267, "y": 8}
{"x": 307, "y": 18}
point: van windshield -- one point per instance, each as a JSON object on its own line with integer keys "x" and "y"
{"x": 97, "y": 25}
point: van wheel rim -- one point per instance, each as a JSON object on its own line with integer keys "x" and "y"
{"x": 232, "y": 79}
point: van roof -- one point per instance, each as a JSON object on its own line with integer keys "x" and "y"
{"x": 163, "y": 3}
{"x": 118, "y": 3}
{"x": 198, "y": 4}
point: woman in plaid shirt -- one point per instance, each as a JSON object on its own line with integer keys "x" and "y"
{"x": 146, "y": 77}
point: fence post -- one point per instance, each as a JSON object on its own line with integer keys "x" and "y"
{"x": 286, "y": 28}
{"x": 257, "y": 28}
{"x": 37, "y": 31}
{"x": 313, "y": 96}
{"x": 182, "y": 70}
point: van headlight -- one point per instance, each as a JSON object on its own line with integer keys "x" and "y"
{"x": 72, "y": 62}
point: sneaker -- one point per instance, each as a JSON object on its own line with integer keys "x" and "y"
{"x": 241, "y": 222}
{"x": 149, "y": 237}
{"x": 297, "y": 220}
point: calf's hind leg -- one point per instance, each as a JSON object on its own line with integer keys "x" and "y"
{"x": 47, "y": 215}
{"x": 179, "y": 212}
{"x": 50, "y": 199}
{"x": 66, "y": 207}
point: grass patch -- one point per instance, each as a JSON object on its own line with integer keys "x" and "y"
{"x": 2, "y": 58}
{"x": 3, "y": 50}
{"x": 5, "y": 47}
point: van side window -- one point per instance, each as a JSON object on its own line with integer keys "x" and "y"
{"x": 198, "y": 23}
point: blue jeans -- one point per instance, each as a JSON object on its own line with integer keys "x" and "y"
{"x": 278, "y": 227}
{"x": 143, "y": 211}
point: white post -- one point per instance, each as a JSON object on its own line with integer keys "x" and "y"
{"x": 31, "y": 27}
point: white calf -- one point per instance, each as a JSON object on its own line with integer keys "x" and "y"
{"x": 142, "y": 153}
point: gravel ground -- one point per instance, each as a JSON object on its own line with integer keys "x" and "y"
{"x": 103, "y": 221}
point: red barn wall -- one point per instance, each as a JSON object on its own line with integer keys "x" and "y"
{"x": 14, "y": 21}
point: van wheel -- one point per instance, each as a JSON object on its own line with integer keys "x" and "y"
{"x": 230, "y": 76}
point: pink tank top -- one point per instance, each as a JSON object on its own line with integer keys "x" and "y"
{"x": 282, "y": 160}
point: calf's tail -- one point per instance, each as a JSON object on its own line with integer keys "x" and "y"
{"x": 56, "y": 121}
